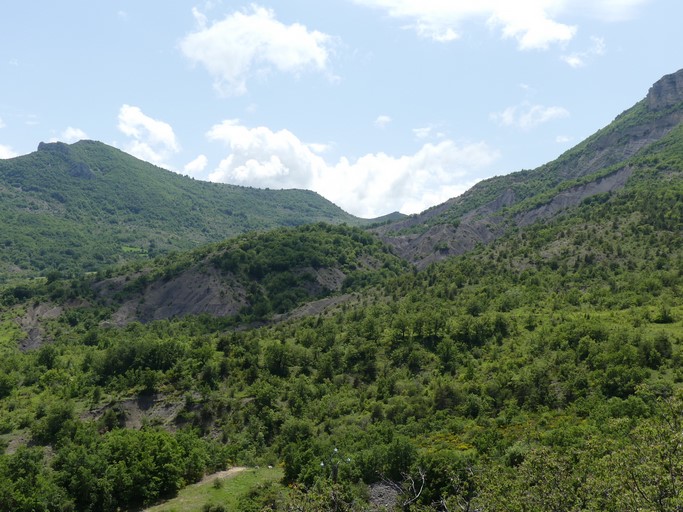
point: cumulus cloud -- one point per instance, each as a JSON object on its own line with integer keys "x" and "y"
{"x": 253, "y": 42}
{"x": 579, "y": 59}
{"x": 7, "y": 152}
{"x": 197, "y": 165}
{"x": 382, "y": 121}
{"x": 532, "y": 23}
{"x": 372, "y": 185}
{"x": 150, "y": 139}
{"x": 70, "y": 135}
{"x": 527, "y": 116}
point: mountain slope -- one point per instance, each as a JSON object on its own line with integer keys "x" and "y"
{"x": 515, "y": 377}
{"x": 597, "y": 165}
{"x": 541, "y": 371}
{"x": 77, "y": 207}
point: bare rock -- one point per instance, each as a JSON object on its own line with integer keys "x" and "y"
{"x": 666, "y": 92}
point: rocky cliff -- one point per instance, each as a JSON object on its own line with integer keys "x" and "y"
{"x": 667, "y": 92}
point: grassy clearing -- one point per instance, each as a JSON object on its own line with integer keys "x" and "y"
{"x": 227, "y": 492}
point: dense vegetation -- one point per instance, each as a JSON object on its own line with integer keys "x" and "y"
{"x": 539, "y": 373}
{"x": 76, "y": 207}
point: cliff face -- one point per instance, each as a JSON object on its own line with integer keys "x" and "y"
{"x": 666, "y": 92}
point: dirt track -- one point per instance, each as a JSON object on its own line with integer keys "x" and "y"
{"x": 222, "y": 474}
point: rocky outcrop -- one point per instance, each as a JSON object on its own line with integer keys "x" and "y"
{"x": 666, "y": 92}
{"x": 55, "y": 147}
{"x": 81, "y": 170}
{"x": 75, "y": 168}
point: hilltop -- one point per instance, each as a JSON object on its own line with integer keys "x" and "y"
{"x": 79, "y": 207}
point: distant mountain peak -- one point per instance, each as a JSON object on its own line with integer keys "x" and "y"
{"x": 666, "y": 92}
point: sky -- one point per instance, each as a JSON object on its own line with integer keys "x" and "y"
{"x": 378, "y": 105}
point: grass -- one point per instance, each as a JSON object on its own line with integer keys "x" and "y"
{"x": 226, "y": 493}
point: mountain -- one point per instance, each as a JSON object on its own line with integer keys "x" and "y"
{"x": 540, "y": 370}
{"x": 598, "y": 165}
{"x": 78, "y": 207}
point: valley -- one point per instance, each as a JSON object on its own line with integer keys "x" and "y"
{"x": 519, "y": 347}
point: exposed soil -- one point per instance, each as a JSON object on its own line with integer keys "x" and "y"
{"x": 222, "y": 474}
{"x": 153, "y": 409}
{"x": 30, "y": 323}
{"x": 192, "y": 292}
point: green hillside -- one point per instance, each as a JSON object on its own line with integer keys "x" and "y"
{"x": 75, "y": 208}
{"x": 531, "y": 360}
{"x": 250, "y": 277}
{"x": 539, "y": 372}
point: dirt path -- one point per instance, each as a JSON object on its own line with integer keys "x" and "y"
{"x": 222, "y": 474}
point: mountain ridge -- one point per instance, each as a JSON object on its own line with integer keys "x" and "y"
{"x": 477, "y": 216}
{"x": 85, "y": 205}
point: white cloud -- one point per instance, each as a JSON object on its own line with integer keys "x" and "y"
{"x": 7, "y": 152}
{"x": 563, "y": 139}
{"x": 253, "y": 42}
{"x": 428, "y": 132}
{"x": 264, "y": 158}
{"x": 575, "y": 60}
{"x": 422, "y": 133}
{"x": 373, "y": 185}
{"x": 197, "y": 165}
{"x": 151, "y": 140}
{"x": 578, "y": 59}
{"x": 319, "y": 148}
{"x": 527, "y": 116}
{"x": 70, "y": 135}
{"x": 382, "y": 121}
{"x": 532, "y": 23}
{"x": 2, "y": 123}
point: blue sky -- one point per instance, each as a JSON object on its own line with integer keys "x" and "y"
{"x": 378, "y": 105}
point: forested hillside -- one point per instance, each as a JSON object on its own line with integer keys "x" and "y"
{"x": 541, "y": 371}
{"x": 75, "y": 208}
